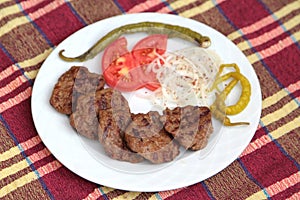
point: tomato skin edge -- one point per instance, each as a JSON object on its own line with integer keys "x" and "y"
{"x": 142, "y": 54}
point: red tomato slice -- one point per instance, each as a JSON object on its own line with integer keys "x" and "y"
{"x": 126, "y": 71}
{"x": 146, "y": 49}
{"x": 114, "y": 51}
{"x": 122, "y": 74}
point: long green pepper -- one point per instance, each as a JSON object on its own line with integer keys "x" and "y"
{"x": 148, "y": 27}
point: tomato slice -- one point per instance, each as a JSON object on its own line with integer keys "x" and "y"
{"x": 123, "y": 75}
{"x": 146, "y": 50}
{"x": 114, "y": 51}
{"x": 127, "y": 71}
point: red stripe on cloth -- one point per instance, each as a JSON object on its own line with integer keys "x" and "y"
{"x": 48, "y": 168}
{"x": 11, "y": 86}
{"x": 267, "y": 36}
{"x": 156, "y": 7}
{"x": 243, "y": 15}
{"x": 30, "y": 8}
{"x": 287, "y": 71}
{"x": 295, "y": 196}
{"x": 65, "y": 24}
{"x": 283, "y": 184}
{"x": 23, "y": 93}
{"x": 8, "y": 72}
{"x": 31, "y": 143}
{"x": 258, "y": 134}
{"x": 64, "y": 184}
{"x": 127, "y": 5}
{"x": 262, "y": 165}
{"x": 39, "y": 155}
{"x": 291, "y": 193}
{"x": 30, "y": 3}
{"x": 168, "y": 193}
{"x": 20, "y": 112}
{"x": 257, "y": 144}
{"x": 294, "y": 87}
{"x": 5, "y": 61}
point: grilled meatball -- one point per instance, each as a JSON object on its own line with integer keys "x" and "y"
{"x": 112, "y": 124}
{"x": 85, "y": 118}
{"x": 74, "y": 82}
{"x": 190, "y": 125}
{"x": 146, "y": 136}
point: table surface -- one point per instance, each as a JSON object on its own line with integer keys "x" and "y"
{"x": 266, "y": 31}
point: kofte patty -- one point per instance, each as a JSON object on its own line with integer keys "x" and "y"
{"x": 191, "y": 126}
{"x": 85, "y": 118}
{"x": 112, "y": 124}
{"x": 71, "y": 84}
{"x": 146, "y": 136}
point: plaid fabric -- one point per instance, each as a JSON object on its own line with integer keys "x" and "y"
{"x": 267, "y": 31}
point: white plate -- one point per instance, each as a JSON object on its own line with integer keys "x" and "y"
{"x": 86, "y": 158}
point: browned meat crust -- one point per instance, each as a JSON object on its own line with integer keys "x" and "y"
{"x": 85, "y": 118}
{"x": 112, "y": 124}
{"x": 104, "y": 114}
{"x": 74, "y": 82}
{"x": 191, "y": 126}
{"x": 146, "y": 136}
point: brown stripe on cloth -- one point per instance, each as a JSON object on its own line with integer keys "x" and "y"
{"x": 275, "y": 5}
{"x": 33, "y": 68}
{"x": 6, "y": 3}
{"x": 32, "y": 190}
{"x": 85, "y": 9}
{"x": 186, "y": 8}
{"x": 231, "y": 183}
{"x": 285, "y": 102}
{"x": 144, "y": 195}
{"x": 15, "y": 175}
{"x": 10, "y": 17}
{"x": 14, "y": 168}
{"x": 291, "y": 143}
{"x": 285, "y": 123}
{"x": 267, "y": 83}
{"x": 195, "y": 191}
{"x": 27, "y": 42}
{"x": 213, "y": 18}
{"x": 6, "y": 139}
{"x": 114, "y": 193}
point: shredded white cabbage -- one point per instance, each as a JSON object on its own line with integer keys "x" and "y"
{"x": 183, "y": 81}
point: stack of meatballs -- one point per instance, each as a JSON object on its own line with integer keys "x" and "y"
{"x": 103, "y": 114}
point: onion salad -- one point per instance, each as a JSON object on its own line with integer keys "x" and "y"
{"x": 185, "y": 76}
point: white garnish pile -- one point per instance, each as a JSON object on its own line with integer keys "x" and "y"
{"x": 185, "y": 77}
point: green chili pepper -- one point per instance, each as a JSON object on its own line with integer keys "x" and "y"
{"x": 148, "y": 27}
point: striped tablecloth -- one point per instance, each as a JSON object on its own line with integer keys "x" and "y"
{"x": 268, "y": 33}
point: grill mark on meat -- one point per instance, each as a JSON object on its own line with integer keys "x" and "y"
{"x": 85, "y": 117}
{"x": 104, "y": 114}
{"x": 146, "y": 136}
{"x": 71, "y": 84}
{"x": 111, "y": 135}
{"x": 191, "y": 126}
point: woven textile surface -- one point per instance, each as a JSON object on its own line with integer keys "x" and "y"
{"x": 266, "y": 31}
